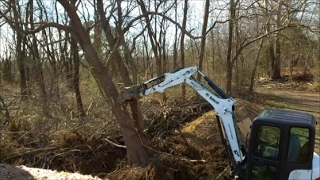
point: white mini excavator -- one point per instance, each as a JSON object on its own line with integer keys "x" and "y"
{"x": 281, "y": 142}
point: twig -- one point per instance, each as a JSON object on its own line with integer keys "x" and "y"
{"x": 89, "y": 108}
{"x": 212, "y": 135}
{"x": 12, "y": 132}
{"x": 117, "y": 145}
{"x": 194, "y": 160}
{"x": 29, "y": 152}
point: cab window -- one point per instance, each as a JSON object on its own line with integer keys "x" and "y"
{"x": 267, "y": 145}
{"x": 267, "y": 142}
{"x": 298, "y": 146}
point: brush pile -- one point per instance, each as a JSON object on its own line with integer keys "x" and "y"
{"x": 186, "y": 145}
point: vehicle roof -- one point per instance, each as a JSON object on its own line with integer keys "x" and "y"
{"x": 287, "y": 116}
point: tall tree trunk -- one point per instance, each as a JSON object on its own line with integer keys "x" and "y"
{"x": 212, "y": 66}
{"x": 152, "y": 37}
{"x": 276, "y": 71}
{"x": 203, "y": 34}
{"x": 148, "y": 64}
{"x": 253, "y": 73}
{"x": 229, "y": 50}
{"x": 38, "y": 73}
{"x": 162, "y": 38}
{"x": 184, "y": 24}
{"x": 175, "y": 45}
{"x": 76, "y": 67}
{"x": 269, "y": 45}
{"x": 274, "y": 45}
{"x": 20, "y": 54}
{"x": 50, "y": 53}
{"x": 276, "y": 68}
{"x": 6, "y": 69}
{"x": 22, "y": 66}
{"x": 76, "y": 77}
{"x": 237, "y": 39}
{"x": 97, "y": 30}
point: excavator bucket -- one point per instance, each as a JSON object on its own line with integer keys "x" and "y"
{"x": 127, "y": 94}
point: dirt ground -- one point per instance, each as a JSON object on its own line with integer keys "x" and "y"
{"x": 184, "y": 134}
{"x": 301, "y": 96}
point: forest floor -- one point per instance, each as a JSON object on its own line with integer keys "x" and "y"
{"x": 184, "y": 135}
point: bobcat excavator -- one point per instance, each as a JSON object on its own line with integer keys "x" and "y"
{"x": 281, "y": 142}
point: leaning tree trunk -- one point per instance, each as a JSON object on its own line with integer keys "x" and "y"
{"x": 137, "y": 152}
{"x": 117, "y": 60}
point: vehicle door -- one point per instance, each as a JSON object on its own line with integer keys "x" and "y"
{"x": 266, "y": 152}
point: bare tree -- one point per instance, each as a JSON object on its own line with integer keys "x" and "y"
{"x": 184, "y": 24}
{"x": 203, "y": 34}
{"x": 152, "y": 35}
{"x": 21, "y": 48}
{"x": 230, "y": 41}
{"x": 175, "y": 45}
{"x": 276, "y": 62}
{"x": 75, "y": 69}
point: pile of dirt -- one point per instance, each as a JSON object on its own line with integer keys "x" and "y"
{"x": 187, "y": 142}
{"x": 177, "y": 159}
{"x": 203, "y": 131}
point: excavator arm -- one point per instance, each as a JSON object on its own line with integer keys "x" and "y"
{"x": 220, "y": 101}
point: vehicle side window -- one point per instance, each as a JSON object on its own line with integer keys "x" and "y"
{"x": 298, "y": 146}
{"x": 267, "y": 142}
{"x": 267, "y": 145}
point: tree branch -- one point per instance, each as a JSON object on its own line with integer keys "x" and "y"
{"x": 117, "y": 145}
{"x": 15, "y": 25}
{"x": 245, "y": 44}
{"x": 162, "y": 15}
{"x": 175, "y": 23}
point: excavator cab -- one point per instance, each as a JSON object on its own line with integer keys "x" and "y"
{"x": 281, "y": 145}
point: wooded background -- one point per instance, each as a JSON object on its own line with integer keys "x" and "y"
{"x": 64, "y": 61}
